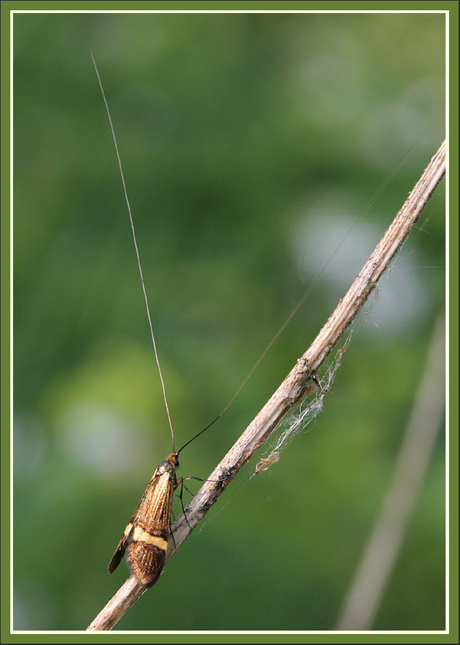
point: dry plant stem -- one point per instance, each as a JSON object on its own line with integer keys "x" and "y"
{"x": 296, "y": 385}
{"x": 117, "y": 606}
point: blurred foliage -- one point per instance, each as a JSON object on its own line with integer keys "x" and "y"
{"x": 249, "y": 143}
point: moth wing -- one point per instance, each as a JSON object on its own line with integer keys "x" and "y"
{"x": 120, "y": 550}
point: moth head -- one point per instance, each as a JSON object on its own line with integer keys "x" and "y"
{"x": 173, "y": 460}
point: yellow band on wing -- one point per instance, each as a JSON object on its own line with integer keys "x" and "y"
{"x": 140, "y": 535}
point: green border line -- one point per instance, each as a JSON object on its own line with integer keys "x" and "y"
{"x": 254, "y": 637}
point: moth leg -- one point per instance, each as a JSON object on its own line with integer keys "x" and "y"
{"x": 178, "y": 483}
{"x": 182, "y": 485}
{"x": 174, "y": 541}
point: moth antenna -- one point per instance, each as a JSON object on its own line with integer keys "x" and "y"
{"x": 146, "y": 300}
{"x": 310, "y": 288}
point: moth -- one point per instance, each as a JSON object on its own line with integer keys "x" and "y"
{"x": 145, "y": 540}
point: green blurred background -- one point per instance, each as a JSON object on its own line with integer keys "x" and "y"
{"x": 250, "y": 145}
